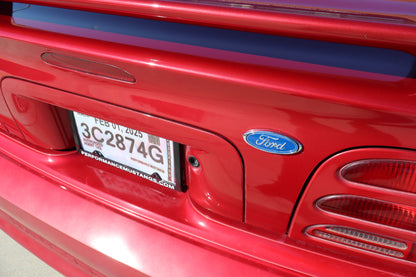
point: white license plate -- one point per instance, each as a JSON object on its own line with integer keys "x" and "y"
{"x": 150, "y": 157}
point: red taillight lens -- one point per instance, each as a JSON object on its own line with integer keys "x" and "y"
{"x": 90, "y": 67}
{"x": 377, "y": 211}
{"x": 394, "y": 174}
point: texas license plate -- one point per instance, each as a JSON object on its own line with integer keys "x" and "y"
{"x": 145, "y": 155}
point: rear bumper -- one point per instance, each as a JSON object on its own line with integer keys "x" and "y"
{"x": 76, "y": 234}
{"x": 81, "y": 235}
{"x": 84, "y": 234}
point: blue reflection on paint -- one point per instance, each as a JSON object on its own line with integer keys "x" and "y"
{"x": 347, "y": 56}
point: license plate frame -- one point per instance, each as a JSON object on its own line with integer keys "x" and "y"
{"x": 97, "y": 140}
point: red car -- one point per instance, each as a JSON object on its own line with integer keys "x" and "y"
{"x": 210, "y": 137}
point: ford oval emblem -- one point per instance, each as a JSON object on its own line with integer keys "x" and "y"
{"x": 272, "y": 142}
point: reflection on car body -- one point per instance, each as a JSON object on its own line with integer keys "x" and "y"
{"x": 210, "y": 137}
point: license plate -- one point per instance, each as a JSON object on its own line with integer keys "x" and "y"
{"x": 145, "y": 155}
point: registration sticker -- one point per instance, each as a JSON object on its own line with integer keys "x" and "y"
{"x": 145, "y": 155}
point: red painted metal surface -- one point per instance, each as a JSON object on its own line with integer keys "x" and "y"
{"x": 41, "y": 124}
{"x": 237, "y": 212}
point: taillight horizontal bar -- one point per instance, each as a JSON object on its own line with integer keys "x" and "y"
{"x": 393, "y": 174}
{"x": 386, "y": 213}
{"x": 358, "y": 239}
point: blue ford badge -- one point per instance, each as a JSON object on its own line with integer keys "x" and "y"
{"x": 272, "y": 142}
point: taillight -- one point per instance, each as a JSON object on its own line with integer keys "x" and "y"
{"x": 377, "y": 211}
{"x": 394, "y": 174}
{"x": 362, "y": 206}
{"x": 361, "y": 240}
